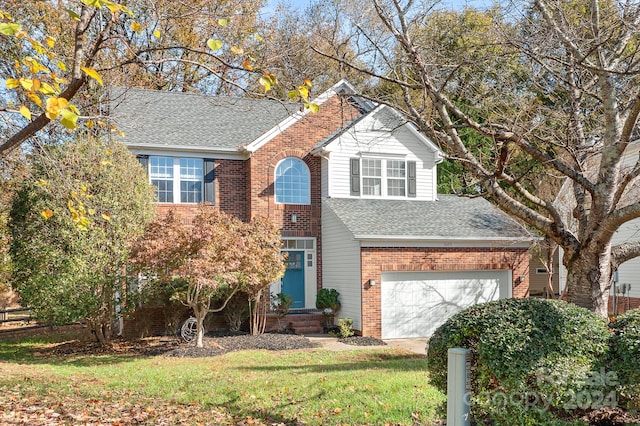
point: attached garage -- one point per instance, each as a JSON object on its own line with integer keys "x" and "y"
{"x": 415, "y": 304}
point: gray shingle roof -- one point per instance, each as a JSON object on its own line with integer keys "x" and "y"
{"x": 157, "y": 118}
{"x": 451, "y": 217}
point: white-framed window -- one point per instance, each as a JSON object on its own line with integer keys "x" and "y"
{"x": 177, "y": 180}
{"x": 383, "y": 177}
{"x": 292, "y": 182}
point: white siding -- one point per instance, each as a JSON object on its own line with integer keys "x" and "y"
{"x": 372, "y": 137}
{"x": 629, "y": 272}
{"x": 341, "y": 266}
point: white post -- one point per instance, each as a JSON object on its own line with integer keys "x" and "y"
{"x": 458, "y": 387}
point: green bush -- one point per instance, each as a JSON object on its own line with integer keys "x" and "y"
{"x": 624, "y": 356}
{"x": 328, "y": 298}
{"x": 531, "y": 358}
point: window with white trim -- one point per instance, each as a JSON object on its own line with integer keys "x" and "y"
{"x": 177, "y": 180}
{"x": 292, "y": 182}
{"x": 383, "y": 177}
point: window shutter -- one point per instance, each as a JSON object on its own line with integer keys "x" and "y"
{"x": 411, "y": 178}
{"x": 209, "y": 196}
{"x": 355, "y": 176}
{"x": 144, "y": 162}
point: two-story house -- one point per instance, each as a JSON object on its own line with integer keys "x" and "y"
{"x": 353, "y": 190}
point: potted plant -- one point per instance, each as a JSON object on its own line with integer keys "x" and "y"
{"x": 327, "y": 300}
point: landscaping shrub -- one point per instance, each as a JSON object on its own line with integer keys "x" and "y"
{"x": 625, "y": 356}
{"x": 533, "y": 359}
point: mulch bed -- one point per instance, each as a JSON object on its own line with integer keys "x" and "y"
{"x": 172, "y": 346}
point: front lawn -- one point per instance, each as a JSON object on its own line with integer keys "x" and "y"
{"x": 313, "y": 386}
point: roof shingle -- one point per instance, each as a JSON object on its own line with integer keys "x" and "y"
{"x": 451, "y": 218}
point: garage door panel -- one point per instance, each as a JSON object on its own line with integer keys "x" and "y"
{"x": 415, "y": 304}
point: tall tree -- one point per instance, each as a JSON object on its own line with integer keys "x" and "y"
{"x": 71, "y": 225}
{"x": 551, "y": 82}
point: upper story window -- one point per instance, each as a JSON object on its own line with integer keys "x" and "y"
{"x": 177, "y": 180}
{"x": 382, "y": 177}
{"x": 292, "y": 182}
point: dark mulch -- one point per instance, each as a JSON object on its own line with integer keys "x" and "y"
{"x": 174, "y": 347}
{"x": 608, "y": 416}
{"x": 361, "y": 341}
{"x": 219, "y": 345}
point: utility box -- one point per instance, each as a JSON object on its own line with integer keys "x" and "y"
{"x": 458, "y": 387}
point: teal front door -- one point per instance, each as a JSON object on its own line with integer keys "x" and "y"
{"x": 293, "y": 280}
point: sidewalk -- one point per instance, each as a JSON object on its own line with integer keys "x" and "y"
{"x": 331, "y": 343}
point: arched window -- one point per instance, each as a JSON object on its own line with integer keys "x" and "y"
{"x": 292, "y": 182}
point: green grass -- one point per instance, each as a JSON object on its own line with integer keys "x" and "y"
{"x": 312, "y": 387}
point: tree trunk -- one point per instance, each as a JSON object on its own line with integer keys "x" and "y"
{"x": 589, "y": 279}
{"x": 200, "y": 312}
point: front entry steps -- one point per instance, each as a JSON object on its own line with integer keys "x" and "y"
{"x": 299, "y": 322}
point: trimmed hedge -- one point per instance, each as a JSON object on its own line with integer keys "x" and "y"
{"x": 625, "y": 356}
{"x": 532, "y": 358}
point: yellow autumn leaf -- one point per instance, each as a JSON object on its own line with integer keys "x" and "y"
{"x": 157, "y": 34}
{"x": 223, "y": 22}
{"x": 25, "y": 112}
{"x": 9, "y": 29}
{"x": 12, "y": 83}
{"x": 35, "y": 98}
{"x": 92, "y": 211}
{"x": 62, "y": 66}
{"x": 42, "y": 182}
{"x": 52, "y": 108}
{"x": 47, "y": 214}
{"x": 258, "y": 37}
{"x": 106, "y": 216}
{"x": 237, "y": 50}
{"x": 214, "y": 44}
{"x": 136, "y": 27}
{"x": 26, "y": 83}
{"x": 307, "y": 82}
{"x": 50, "y": 41}
{"x": 304, "y": 92}
{"x": 264, "y": 82}
{"x": 69, "y": 118}
{"x": 313, "y": 107}
{"x": 47, "y": 89}
{"x": 93, "y": 74}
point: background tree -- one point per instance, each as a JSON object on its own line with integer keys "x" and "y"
{"x": 210, "y": 259}
{"x": 552, "y": 84}
{"x": 52, "y": 50}
{"x": 69, "y": 262}
{"x": 12, "y": 170}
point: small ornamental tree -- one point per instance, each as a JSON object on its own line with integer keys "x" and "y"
{"x": 209, "y": 260}
{"x": 262, "y": 264}
{"x": 69, "y": 262}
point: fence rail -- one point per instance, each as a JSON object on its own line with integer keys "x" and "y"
{"x": 15, "y": 315}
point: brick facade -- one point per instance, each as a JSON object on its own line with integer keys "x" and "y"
{"x": 375, "y": 261}
{"x": 297, "y": 141}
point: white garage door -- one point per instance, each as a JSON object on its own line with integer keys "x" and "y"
{"x": 414, "y": 304}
